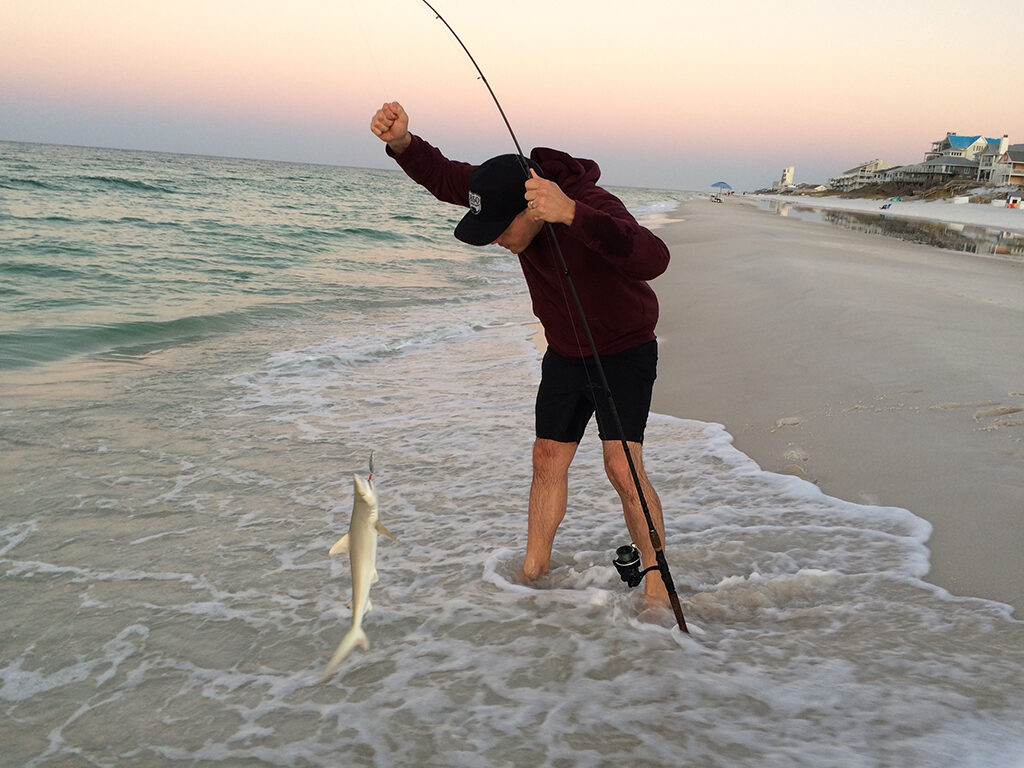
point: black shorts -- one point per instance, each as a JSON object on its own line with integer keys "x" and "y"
{"x": 570, "y": 391}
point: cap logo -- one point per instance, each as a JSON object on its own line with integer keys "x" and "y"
{"x": 475, "y": 203}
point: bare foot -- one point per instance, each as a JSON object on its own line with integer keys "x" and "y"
{"x": 656, "y": 612}
{"x": 530, "y": 575}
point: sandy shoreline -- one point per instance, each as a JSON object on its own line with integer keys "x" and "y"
{"x": 886, "y": 372}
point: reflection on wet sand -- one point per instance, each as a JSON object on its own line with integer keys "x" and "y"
{"x": 966, "y": 238}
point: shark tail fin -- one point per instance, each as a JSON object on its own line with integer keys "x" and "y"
{"x": 354, "y": 637}
{"x": 341, "y": 545}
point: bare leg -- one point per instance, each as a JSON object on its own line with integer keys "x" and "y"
{"x": 549, "y": 494}
{"x": 617, "y": 469}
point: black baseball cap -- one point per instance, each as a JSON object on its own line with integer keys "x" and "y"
{"x": 495, "y": 198}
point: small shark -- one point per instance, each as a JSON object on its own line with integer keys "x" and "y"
{"x": 361, "y": 545}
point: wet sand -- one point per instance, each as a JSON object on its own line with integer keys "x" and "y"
{"x": 972, "y": 214}
{"x": 885, "y": 372}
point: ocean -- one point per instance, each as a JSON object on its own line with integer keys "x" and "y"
{"x": 196, "y": 354}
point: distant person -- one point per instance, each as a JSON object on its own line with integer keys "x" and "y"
{"x": 611, "y": 258}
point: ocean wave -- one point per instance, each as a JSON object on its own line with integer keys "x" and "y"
{"x": 32, "y": 346}
{"x": 131, "y": 184}
{"x": 127, "y": 221}
{"x": 37, "y": 268}
{"x": 375, "y": 235}
{"x": 25, "y": 348}
{"x": 16, "y": 183}
{"x": 132, "y": 338}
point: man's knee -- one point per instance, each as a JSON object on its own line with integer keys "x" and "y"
{"x": 551, "y": 459}
{"x": 616, "y": 466}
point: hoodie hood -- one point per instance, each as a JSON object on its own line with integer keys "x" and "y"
{"x": 572, "y": 174}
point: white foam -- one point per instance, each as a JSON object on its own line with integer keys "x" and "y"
{"x": 200, "y": 604}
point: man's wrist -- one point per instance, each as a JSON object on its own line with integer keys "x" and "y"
{"x": 398, "y": 146}
{"x": 572, "y": 213}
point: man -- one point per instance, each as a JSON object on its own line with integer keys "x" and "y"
{"x": 611, "y": 258}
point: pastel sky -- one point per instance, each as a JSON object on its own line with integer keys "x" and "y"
{"x": 662, "y": 93}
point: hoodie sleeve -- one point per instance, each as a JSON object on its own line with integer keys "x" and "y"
{"x": 447, "y": 180}
{"x": 604, "y": 226}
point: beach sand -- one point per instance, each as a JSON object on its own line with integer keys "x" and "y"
{"x": 885, "y": 372}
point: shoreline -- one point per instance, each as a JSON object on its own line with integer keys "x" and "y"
{"x": 968, "y": 214}
{"x": 882, "y": 371}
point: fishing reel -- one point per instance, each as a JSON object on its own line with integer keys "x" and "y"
{"x": 627, "y": 563}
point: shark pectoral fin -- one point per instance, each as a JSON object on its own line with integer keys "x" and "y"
{"x": 384, "y": 531}
{"x": 369, "y": 605}
{"x": 374, "y": 577}
{"x": 341, "y": 545}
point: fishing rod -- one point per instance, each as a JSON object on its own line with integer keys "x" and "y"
{"x": 627, "y": 558}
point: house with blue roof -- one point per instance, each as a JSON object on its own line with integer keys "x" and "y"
{"x": 956, "y": 157}
{"x": 954, "y": 145}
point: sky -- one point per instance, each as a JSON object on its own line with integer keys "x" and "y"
{"x": 669, "y": 94}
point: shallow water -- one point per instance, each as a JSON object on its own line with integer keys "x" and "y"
{"x": 168, "y": 597}
{"x": 984, "y": 241}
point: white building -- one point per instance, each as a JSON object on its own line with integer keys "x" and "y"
{"x": 860, "y": 175}
{"x": 785, "y": 182}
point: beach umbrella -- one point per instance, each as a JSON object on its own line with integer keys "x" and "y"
{"x": 721, "y": 185}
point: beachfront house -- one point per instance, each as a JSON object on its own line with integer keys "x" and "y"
{"x": 994, "y": 157}
{"x": 934, "y": 171}
{"x": 860, "y": 175}
{"x": 954, "y": 145}
{"x": 989, "y": 157}
{"x": 1007, "y": 168}
{"x": 995, "y": 162}
{"x": 960, "y": 158}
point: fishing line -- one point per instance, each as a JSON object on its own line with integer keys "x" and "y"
{"x": 366, "y": 44}
{"x": 659, "y": 553}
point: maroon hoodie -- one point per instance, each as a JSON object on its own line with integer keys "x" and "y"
{"x": 609, "y": 255}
